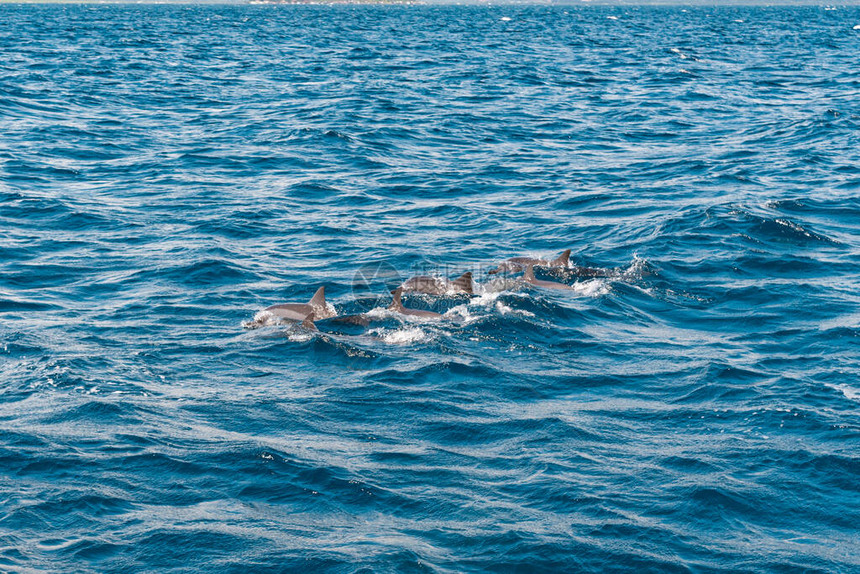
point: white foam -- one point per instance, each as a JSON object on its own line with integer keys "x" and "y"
{"x": 381, "y": 313}
{"x": 591, "y": 288}
{"x": 261, "y": 319}
{"x": 403, "y": 336}
{"x": 849, "y": 392}
{"x": 484, "y": 299}
{"x": 469, "y": 312}
{"x": 636, "y": 269}
{"x": 462, "y": 311}
{"x": 857, "y": 27}
{"x": 496, "y": 285}
{"x": 505, "y": 19}
{"x": 300, "y": 335}
{"x": 612, "y": 17}
{"x": 505, "y": 310}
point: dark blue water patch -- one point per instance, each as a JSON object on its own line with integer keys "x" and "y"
{"x": 24, "y": 306}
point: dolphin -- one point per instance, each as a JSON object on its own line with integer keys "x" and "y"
{"x": 359, "y": 319}
{"x": 308, "y": 323}
{"x": 303, "y": 313}
{"x": 438, "y": 285}
{"x": 529, "y": 277}
{"x": 398, "y": 307}
{"x": 580, "y": 271}
{"x": 519, "y": 263}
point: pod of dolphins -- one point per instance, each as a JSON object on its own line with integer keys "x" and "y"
{"x": 317, "y": 309}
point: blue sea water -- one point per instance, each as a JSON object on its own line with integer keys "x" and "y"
{"x": 167, "y": 172}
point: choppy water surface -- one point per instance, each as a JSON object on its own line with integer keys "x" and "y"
{"x": 168, "y": 172}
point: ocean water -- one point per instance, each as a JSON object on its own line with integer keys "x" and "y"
{"x": 167, "y": 172}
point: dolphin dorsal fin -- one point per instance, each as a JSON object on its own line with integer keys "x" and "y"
{"x": 529, "y": 273}
{"x": 318, "y": 300}
{"x": 308, "y": 323}
{"x": 464, "y": 281}
{"x": 396, "y": 304}
{"x": 562, "y": 260}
